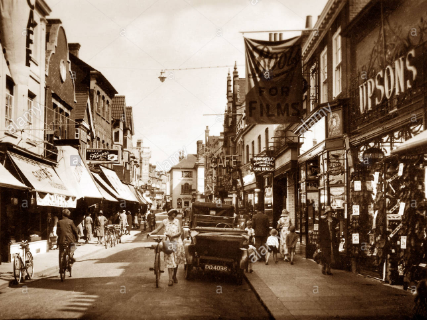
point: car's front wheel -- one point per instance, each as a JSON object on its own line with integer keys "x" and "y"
{"x": 188, "y": 268}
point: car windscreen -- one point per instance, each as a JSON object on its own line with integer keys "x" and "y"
{"x": 214, "y": 211}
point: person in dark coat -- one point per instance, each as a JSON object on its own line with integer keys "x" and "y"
{"x": 261, "y": 226}
{"x": 327, "y": 240}
{"x": 67, "y": 234}
{"x": 129, "y": 222}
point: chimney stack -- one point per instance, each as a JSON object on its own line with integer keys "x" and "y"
{"x": 74, "y": 48}
{"x": 309, "y": 22}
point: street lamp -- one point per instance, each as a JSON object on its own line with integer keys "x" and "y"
{"x": 162, "y": 77}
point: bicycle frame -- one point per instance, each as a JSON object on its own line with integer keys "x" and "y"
{"x": 157, "y": 249}
{"x": 22, "y": 264}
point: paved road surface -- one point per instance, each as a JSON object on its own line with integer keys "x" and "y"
{"x": 116, "y": 283}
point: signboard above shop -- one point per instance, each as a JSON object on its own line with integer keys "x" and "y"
{"x": 102, "y": 155}
{"x": 262, "y": 164}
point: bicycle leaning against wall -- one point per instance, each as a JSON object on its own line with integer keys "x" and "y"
{"x": 23, "y": 267}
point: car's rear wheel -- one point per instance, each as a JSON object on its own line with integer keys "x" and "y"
{"x": 188, "y": 268}
{"x": 239, "y": 276}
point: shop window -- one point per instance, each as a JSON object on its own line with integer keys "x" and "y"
{"x": 187, "y": 174}
{"x": 313, "y": 86}
{"x": 247, "y": 153}
{"x": 9, "y": 103}
{"x": 324, "y": 76}
{"x": 186, "y": 203}
{"x": 337, "y": 57}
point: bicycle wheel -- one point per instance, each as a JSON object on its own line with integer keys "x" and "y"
{"x": 157, "y": 268}
{"x": 17, "y": 273}
{"x": 29, "y": 265}
{"x": 62, "y": 266}
{"x": 106, "y": 240}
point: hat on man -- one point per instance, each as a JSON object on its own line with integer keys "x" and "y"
{"x": 328, "y": 209}
{"x": 285, "y": 213}
{"x": 100, "y": 212}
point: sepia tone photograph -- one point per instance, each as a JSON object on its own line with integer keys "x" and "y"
{"x": 213, "y": 159}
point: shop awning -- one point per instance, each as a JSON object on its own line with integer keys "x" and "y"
{"x": 147, "y": 199}
{"x": 133, "y": 190}
{"x": 417, "y": 144}
{"x": 7, "y": 180}
{"x": 142, "y": 197}
{"x": 121, "y": 189}
{"x": 72, "y": 169}
{"x": 51, "y": 190}
{"x": 105, "y": 185}
{"x": 105, "y": 194}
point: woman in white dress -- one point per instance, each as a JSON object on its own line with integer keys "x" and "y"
{"x": 283, "y": 226}
{"x": 173, "y": 231}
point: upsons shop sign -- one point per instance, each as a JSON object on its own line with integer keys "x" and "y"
{"x": 395, "y": 79}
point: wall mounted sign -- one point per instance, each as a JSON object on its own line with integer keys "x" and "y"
{"x": 396, "y": 230}
{"x": 355, "y": 238}
{"x": 356, "y": 210}
{"x": 262, "y": 164}
{"x": 229, "y": 161}
{"x": 335, "y": 124}
{"x": 102, "y": 155}
{"x": 372, "y": 155}
{"x": 357, "y": 185}
{"x": 403, "y": 242}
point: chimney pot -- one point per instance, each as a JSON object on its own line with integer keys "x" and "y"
{"x": 275, "y": 37}
{"x": 280, "y": 36}
{"x": 74, "y": 48}
{"x": 309, "y": 22}
{"x": 270, "y": 37}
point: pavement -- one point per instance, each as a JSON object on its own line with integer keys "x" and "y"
{"x": 301, "y": 291}
{"x": 46, "y": 263}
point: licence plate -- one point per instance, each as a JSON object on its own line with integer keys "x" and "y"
{"x": 216, "y": 268}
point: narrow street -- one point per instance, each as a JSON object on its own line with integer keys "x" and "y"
{"x": 116, "y": 283}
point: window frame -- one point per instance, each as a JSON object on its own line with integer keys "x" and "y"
{"x": 324, "y": 75}
{"x": 190, "y": 174}
{"x": 247, "y": 153}
{"x": 267, "y": 145}
{"x": 337, "y": 65}
{"x": 253, "y": 148}
{"x": 8, "y": 109}
{"x": 259, "y": 144}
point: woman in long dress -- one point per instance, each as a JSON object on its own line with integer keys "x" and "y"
{"x": 173, "y": 231}
{"x": 283, "y": 225}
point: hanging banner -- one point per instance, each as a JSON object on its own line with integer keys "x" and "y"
{"x": 275, "y": 82}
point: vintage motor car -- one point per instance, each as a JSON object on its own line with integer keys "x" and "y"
{"x": 213, "y": 242}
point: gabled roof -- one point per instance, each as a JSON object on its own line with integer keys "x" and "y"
{"x": 81, "y": 105}
{"x": 101, "y": 80}
{"x": 118, "y": 106}
{"x": 129, "y": 119}
{"x": 187, "y": 163}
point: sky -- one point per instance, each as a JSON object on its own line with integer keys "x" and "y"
{"x": 131, "y": 41}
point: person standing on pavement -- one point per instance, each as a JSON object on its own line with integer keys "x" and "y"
{"x": 283, "y": 226}
{"x": 173, "y": 231}
{"x": 135, "y": 221}
{"x": 129, "y": 222}
{"x": 123, "y": 221}
{"x": 67, "y": 234}
{"x": 261, "y": 226}
{"x": 327, "y": 239}
{"x": 102, "y": 220}
{"x": 291, "y": 242}
{"x": 273, "y": 245}
{"x": 88, "y": 228}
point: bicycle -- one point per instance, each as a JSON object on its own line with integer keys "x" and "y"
{"x": 64, "y": 259}
{"x": 107, "y": 237}
{"x": 157, "y": 249}
{"x": 23, "y": 266}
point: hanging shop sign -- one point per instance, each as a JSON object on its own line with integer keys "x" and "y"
{"x": 262, "y": 164}
{"x": 396, "y": 230}
{"x": 393, "y": 80}
{"x": 403, "y": 242}
{"x": 394, "y": 217}
{"x": 102, "y": 156}
{"x": 275, "y": 83}
{"x": 372, "y": 155}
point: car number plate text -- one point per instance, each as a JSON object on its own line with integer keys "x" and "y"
{"x": 216, "y": 268}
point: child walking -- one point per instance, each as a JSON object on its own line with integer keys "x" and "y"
{"x": 250, "y": 245}
{"x": 291, "y": 242}
{"x": 273, "y": 245}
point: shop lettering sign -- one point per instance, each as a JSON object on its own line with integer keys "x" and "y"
{"x": 355, "y": 238}
{"x": 102, "y": 155}
{"x": 31, "y": 24}
{"x": 335, "y": 168}
{"x": 392, "y": 178}
{"x": 262, "y": 164}
{"x": 403, "y": 242}
{"x": 396, "y": 230}
{"x": 229, "y": 161}
{"x": 394, "y": 217}
{"x": 393, "y": 79}
{"x": 357, "y": 185}
{"x": 402, "y": 208}
{"x": 356, "y": 210}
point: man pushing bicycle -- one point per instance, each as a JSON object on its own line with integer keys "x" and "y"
{"x": 67, "y": 234}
